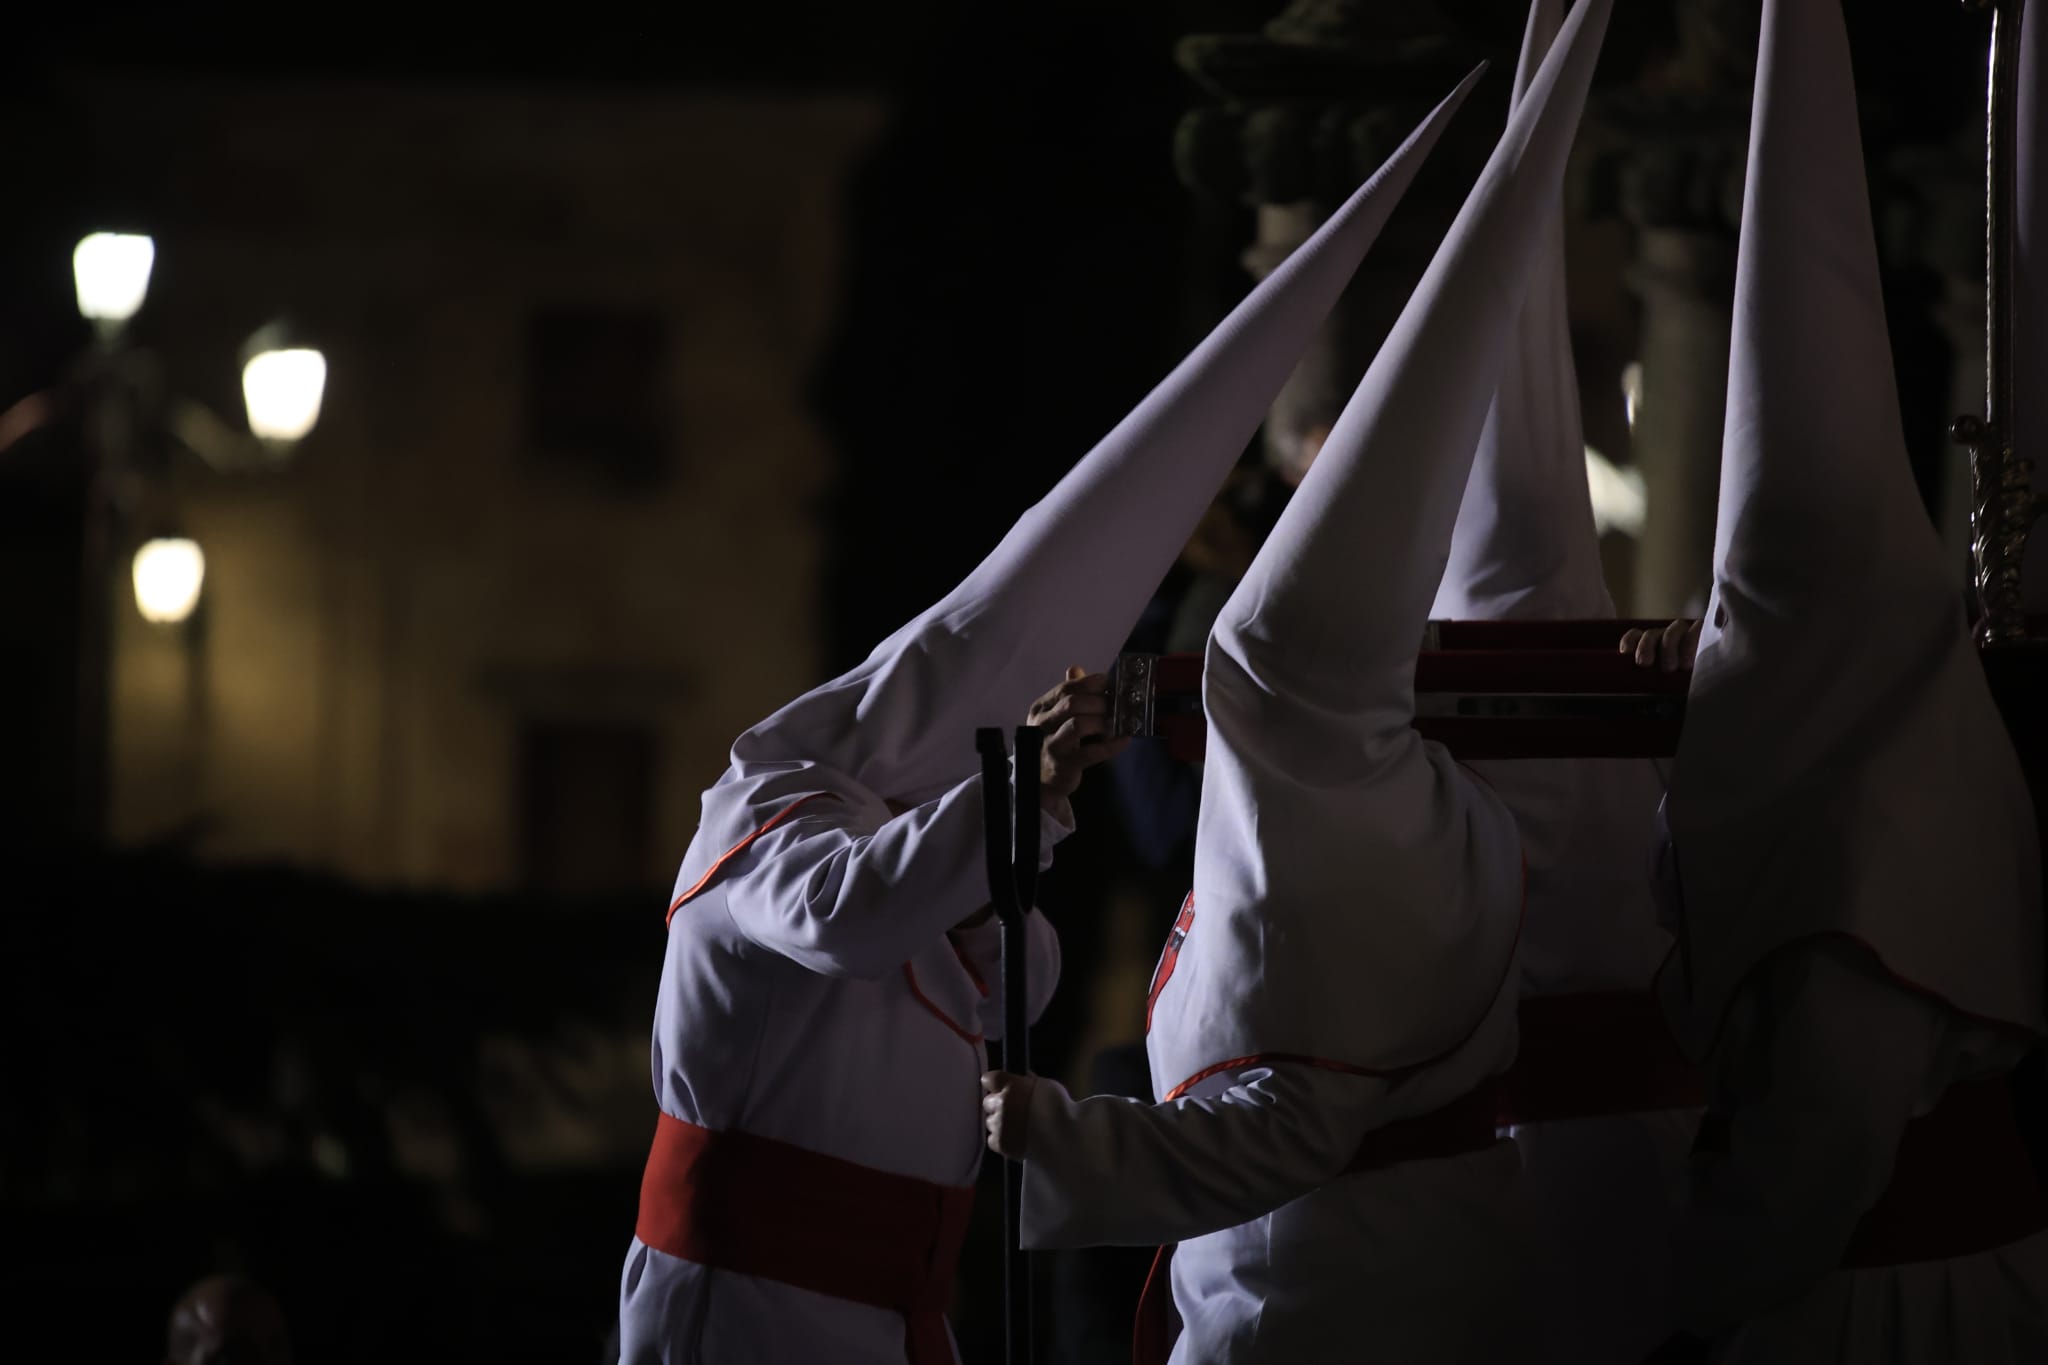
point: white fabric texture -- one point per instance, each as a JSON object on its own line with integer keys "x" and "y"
{"x": 1357, "y": 893}
{"x": 1526, "y": 548}
{"x": 1843, "y": 768}
{"x": 1067, "y": 584}
{"x": 1823, "y": 1061}
{"x": 1283, "y": 1258}
{"x": 811, "y": 994}
{"x": 1860, "y": 917}
{"x": 855, "y": 1031}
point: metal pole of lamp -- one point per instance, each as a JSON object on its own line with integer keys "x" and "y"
{"x": 2003, "y": 504}
{"x": 282, "y": 387}
{"x": 111, "y": 274}
{"x": 104, "y": 451}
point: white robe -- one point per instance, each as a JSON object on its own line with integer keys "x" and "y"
{"x": 1282, "y": 1256}
{"x": 1356, "y": 898}
{"x": 813, "y": 996}
{"x": 1602, "y": 1190}
{"x": 1820, "y": 1064}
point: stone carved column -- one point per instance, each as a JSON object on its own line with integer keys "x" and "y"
{"x": 1666, "y": 155}
{"x": 1685, "y": 279}
{"x": 1305, "y": 109}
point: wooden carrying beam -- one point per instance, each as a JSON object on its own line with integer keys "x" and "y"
{"x": 1484, "y": 689}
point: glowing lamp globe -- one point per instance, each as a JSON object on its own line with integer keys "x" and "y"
{"x": 168, "y": 575}
{"x": 111, "y": 272}
{"x": 282, "y": 392}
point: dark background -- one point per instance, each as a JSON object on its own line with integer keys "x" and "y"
{"x": 1023, "y": 249}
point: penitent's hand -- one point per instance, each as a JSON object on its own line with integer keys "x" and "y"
{"x": 1006, "y": 1111}
{"x": 1075, "y": 718}
{"x": 1669, "y": 649}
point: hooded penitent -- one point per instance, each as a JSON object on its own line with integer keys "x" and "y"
{"x": 1067, "y": 583}
{"x": 1843, "y": 770}
{"x": 1526, "y": 548}
{"x": 1356, "y": 896}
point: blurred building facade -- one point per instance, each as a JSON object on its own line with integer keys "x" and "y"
{"x": 566, "y": 520}
{"x": 494, "y": 623}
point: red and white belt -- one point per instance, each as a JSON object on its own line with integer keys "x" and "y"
{"x": 756, "y": 1206}
{"x": 1963, "y": 1182}
{"x": 1591, "y": 1055}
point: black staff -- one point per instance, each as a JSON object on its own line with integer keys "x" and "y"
{"x": 1012, "y": 887}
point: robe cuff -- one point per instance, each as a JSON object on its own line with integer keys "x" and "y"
{"x": 1056, "y": 1184}
{"x": 1055, "y": 822}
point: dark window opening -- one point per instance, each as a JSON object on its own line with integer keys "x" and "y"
{"x": 594, "y": 392}
{"x": 586, "y": 794}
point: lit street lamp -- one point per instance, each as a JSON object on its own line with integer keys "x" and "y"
{"x": 111, "y": 272}
{"x": 282, "y": 391}
{"x": 116, "y": 392}
{"x": 168, "y": 574}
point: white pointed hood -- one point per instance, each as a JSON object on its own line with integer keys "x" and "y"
{"x": 2030, "y": 287}
{"x": 1843, "y": 770}
{"x": 1067, "y": 583}
{"x": 1355, "y": 897}
{"x": 1526, "y": 548}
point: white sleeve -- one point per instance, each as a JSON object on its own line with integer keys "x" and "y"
{"x": 842, "y": 893}
{"x": 1819, "y": 1067}
{"x": 1110, "y": 1171}
{"x": 982, "y": 946}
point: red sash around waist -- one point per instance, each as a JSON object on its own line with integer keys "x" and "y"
{"x": 771, "y": 1209}
{"x": 1595, "y": 1054}
{"x": 1962, "y": 1182}
{"x": 1582, "y": 1056}
{"x": 1466, "y": 1124}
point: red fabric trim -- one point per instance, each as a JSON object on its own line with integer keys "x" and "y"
{"x": 1595, "y": 633}
{"x": 1595, "y": 1054}
{"x": 910, "y": 977}
{"x": 756, "y": 1206}
{"x": 1596, "y": 671}
{"x": 1506, "y": 738}
{"x": 711, "y": 873}
{"x": 1153, "y": 1333}
{"x": 1169, "y": 957}
{"x": 1483, "y": 781}
{"x": 1467, "y": 1124}
{"x": 1581, "y": 1056}
{"x": 1573, "y": 657}
{"x": 1270, "y": 1059}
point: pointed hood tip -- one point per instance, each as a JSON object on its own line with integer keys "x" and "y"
{"x": 1526, "y": 544}
{"x": 1393, "y": 479}
{"x": 1811, "y": 368}
{"x": 1830, "y": 584}
{"x": 1070, "y": 578}
{"x": 1315, "y": 778}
